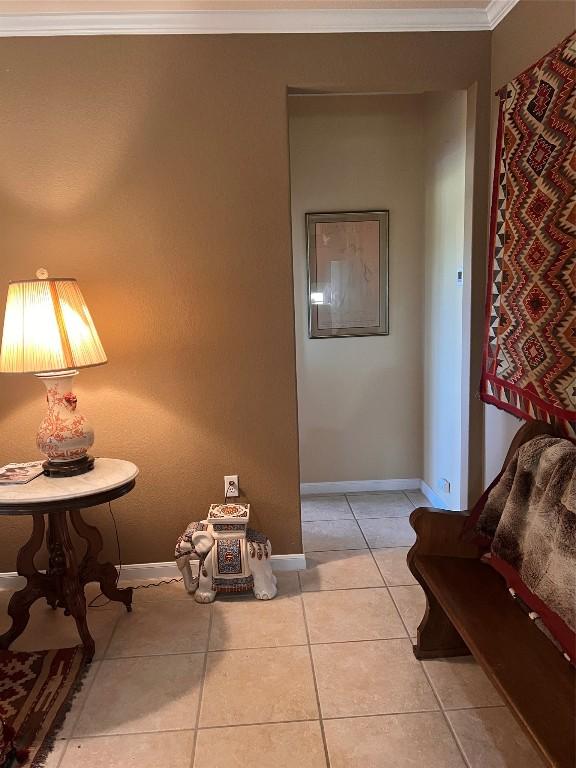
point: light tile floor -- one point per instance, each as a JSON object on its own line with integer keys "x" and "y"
{"x": 321, "y": 677}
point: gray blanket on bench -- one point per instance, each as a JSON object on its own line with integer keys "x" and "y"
{"x": 530, "y": 515}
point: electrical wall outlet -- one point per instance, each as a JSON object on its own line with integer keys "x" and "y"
{"x": 231, "y": 487}
{"x": 444, "y": 485}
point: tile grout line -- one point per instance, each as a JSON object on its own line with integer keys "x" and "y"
{"x": 122, "y": 735}
{"x": 378, "y": 569}
{"x": 422, "y": 667}
{"x": 310, "y": 656}
{"x": 381, "y": 576}
{"x": 441, "y": 709}
{"x": 332, "y": 717}
{"x": 83, "y": 704}
{"x": 358, "y": 549}
{"x": 114, "y": 628}
{"x": 398, "y": 609}
{"x": 66, "y": 743}
{"x": 446, "y": 719}
{"x": 154, "y": 655}
{"x": 390, "y": 595}
{"x": 358, "y": 519}
{"x": 375, "y": 586}
{"x": 243, "y": 648}
{"x": 87, "y": 694}
{"x": 380, "y": 572}
{"x": 281, "y": 722}
{"x": 89, "y": 689}
{"x": 187, "y": 730}
{"x": 363, "y": 536}
{"x": 381, "y": 517}
{"x": 347, "y": 549}
{"x": 384, "y": 580}
{"x": 202, "y": 683}
{"x": 267, "y": 647}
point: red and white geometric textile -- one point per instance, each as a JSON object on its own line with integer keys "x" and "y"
{"x": 529, "y": 365}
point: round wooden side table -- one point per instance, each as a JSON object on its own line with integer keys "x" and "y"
{"x": 62, "y": 499}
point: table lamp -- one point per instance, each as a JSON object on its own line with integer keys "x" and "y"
{"x": 48, "y": 331}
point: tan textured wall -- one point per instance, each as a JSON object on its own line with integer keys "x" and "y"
{"x": 360, "y": 153}
{"x": 155, "y": 170}
{"x": 531, "y": 29}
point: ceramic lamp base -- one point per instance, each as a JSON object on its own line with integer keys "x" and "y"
{"x": 64, "y": 436}
{"x": 68, "y": 468}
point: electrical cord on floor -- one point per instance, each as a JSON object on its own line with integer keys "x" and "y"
{"x": 94, "y": 604}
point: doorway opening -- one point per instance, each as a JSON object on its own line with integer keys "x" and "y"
{"x": 387, "y": 412}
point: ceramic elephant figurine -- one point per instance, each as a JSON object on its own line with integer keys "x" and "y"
{"x": 225, "y": 565}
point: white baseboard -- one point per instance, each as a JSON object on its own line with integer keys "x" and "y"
{"x": 142, "y": 571}
{"x": 169, "y": 570}
{"x": 361, "y": 486}
{"x": 289, "y": 562}
{"x": 432, "y": 496}
{"x": 370, "y": 486}
{"x": 11, "y": 581}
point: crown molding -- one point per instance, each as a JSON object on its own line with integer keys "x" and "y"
{"x": 497, "y": 9}
{"x": 260, "y": 21}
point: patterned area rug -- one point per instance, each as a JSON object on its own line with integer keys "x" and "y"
{"x": 530, "y": 344}
{"x": 36, "y": 691}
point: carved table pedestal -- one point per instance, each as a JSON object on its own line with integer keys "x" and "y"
{"x": 60, "y": 500}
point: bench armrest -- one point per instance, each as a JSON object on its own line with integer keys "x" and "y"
{"x": 440, "y": 532}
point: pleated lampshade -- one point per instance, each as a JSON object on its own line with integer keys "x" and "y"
{"x": 47, "y": 327}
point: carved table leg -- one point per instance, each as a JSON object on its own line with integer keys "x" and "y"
{"x": 72, "y": 589}
{"x": 36, "y": 584}
{"x": 91, "y": 570}
{"x": 56, "y": 564}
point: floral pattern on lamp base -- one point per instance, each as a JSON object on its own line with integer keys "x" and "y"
{"x": 64, "y": 434}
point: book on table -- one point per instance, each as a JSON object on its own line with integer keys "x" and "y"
{"x": 17, "y": 474}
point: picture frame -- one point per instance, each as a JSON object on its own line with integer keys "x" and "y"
{"x": 348, "y": 265}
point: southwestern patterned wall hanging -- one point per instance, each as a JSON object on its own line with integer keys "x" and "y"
{"x": 529, "y": 364}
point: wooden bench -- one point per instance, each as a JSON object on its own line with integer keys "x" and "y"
{"x": 469, "y": 611}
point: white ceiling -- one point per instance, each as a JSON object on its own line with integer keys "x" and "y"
{"x": 93, "y": 17}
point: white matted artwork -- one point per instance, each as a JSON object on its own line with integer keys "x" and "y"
{"x": 347, "y": 274}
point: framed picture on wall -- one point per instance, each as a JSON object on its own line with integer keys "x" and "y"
{"x": 347, "y": 274}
